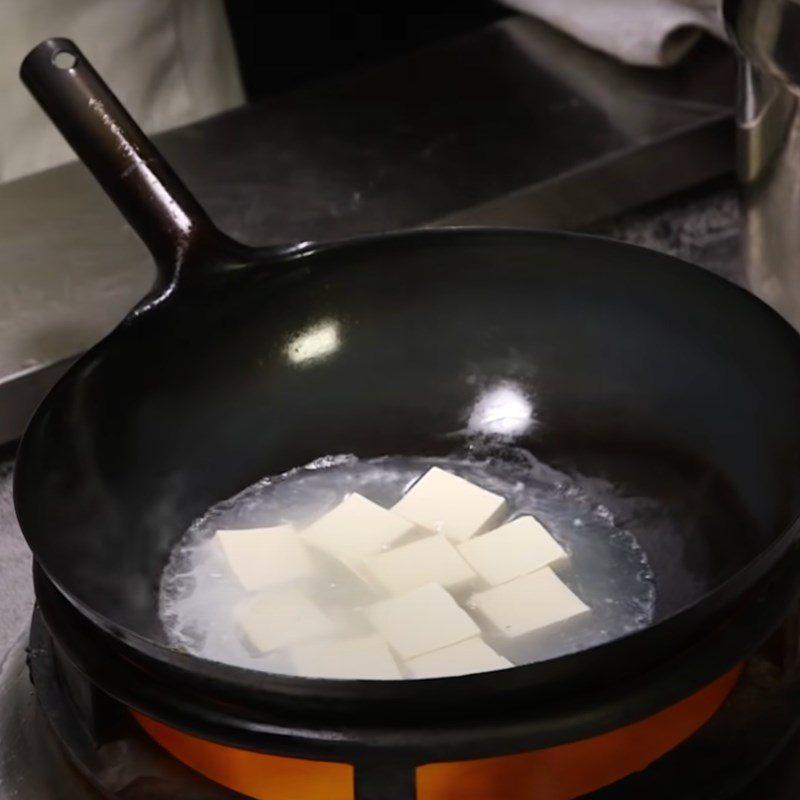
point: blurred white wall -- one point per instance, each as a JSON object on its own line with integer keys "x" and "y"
{"x": 171, "y": 62}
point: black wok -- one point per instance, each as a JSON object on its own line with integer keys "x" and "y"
{"x": 646, "y": 370}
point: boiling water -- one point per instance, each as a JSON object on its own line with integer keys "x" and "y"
{"x": 607, "y": 567}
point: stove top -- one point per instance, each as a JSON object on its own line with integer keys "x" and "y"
{"x": 47, "y": 752}
{"x": 16, "y": 590}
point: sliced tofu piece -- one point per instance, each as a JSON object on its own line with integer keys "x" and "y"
{"x": 529, "y": 603}
{"x": 420, "y": 621}
{"x": 447, "y": 504}
{"x": 261, "y": 557}
{"x": 464, "y": 658}
{"x": 512, "y": 550}
{"x": 280, "y": 618}
{"x": 356, "y": 528}
{"x": 429, "y": 560}
{"x": 355, "y": 658}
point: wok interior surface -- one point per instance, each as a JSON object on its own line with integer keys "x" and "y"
{"x": 641, "y": 370}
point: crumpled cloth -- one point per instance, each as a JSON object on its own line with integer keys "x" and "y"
{"x": 654, "y": 33}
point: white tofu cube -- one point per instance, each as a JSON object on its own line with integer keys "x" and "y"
{"x": 529, "y": 603}
{"x": 430, "y": 560}
{"x": 281, "y": 618}
{"x": 450, "y": 505}
{"x": 261, "y": 557}
{"x": 515, "y": 549}
{"x": 356, "y": 528}
{"x": 422, "y": 620}
{"x": 356, "y": 658}
{"x": 464, "y": 658}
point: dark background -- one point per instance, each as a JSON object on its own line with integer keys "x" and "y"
{"x": 280, "y": 49}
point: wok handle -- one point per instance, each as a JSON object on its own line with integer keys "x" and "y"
{"x": 124, "y": 161}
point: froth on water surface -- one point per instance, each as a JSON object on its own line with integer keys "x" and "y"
{"x": 607, "y": 567}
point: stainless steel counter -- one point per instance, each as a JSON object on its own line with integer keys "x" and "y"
{"x": 514, "y": 125}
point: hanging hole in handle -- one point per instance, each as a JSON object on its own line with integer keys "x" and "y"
{"x": 63, "y": 59}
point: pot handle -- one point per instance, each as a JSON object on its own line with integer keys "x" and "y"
{"x": 153, "y": 199}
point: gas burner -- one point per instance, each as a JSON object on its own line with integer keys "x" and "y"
{"x": 72, "y": 742}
